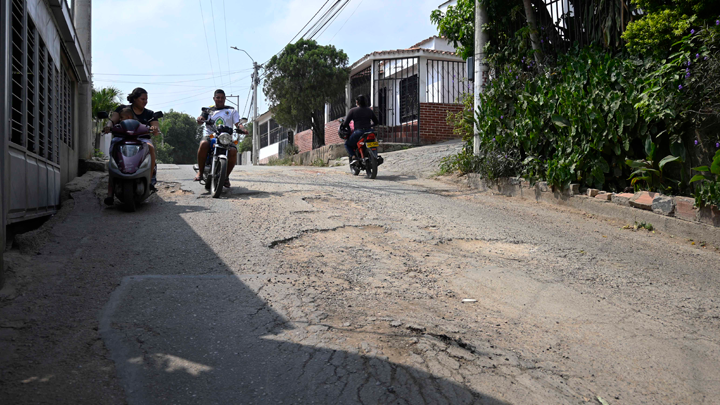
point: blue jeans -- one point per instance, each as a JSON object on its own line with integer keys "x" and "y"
{"x": 351, "y": 143}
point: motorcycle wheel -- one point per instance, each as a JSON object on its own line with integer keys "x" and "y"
{"x": 128, "y": 193}
{"x": 218, "y": 178}
{"x": 355, "y": 169}
{"x": 372, "y": 166}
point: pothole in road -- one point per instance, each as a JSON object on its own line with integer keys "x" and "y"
{"x": 483, "y": 247}
{"x": 169, "y": 187}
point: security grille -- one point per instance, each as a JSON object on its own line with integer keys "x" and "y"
{"x": 361, "y": 83}
{"x": 42, "y": 98}
{"x": 17, "y": 66}
{"x": 50, "y": 110}
{"x": 447, "y": 81}
{"x": 58, "y": 112}
{"x": 31, "y": 109}
{"x": 396, "y": 99}
{"x": 337, "y": 108}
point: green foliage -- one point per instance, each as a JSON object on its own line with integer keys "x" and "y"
{"x": 665, "y": 22}
{"x": 105, "y": 99}
{"x": 457, "y": 24}
{"x": 291, "y": 150}
{"x": 98, "y": 153}
{"x": 246, "y": 144}
{"x": 163, "y": 152}
{"x": 301, "y": 80}
{"x": 180, "y": 131}
{"x": 275, "y": 161}
{"x": 650, "y": 171}
{"x": 708, "y": 192}
{"x": 319, "y": 162}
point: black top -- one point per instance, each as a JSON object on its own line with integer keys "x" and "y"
{"x": 362, "y": 116}
{"x": 145, "y": 117}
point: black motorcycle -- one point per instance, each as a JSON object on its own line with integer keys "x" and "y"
{"x": 221, "y": 138}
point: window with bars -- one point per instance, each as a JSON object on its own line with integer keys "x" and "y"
{"x": 409, "y": 98}
{"x": 41, "y": 95}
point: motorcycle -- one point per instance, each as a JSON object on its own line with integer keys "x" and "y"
{"x": 130, "y": 166}
{"x": 215, "y": 171}
{"x": 367, "y": 157}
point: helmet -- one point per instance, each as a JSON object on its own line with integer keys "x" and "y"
{"x": 344, "y": 132}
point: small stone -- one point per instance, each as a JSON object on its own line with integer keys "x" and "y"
{"x": 622, "y": 198}
{"x": 685, "y": 209}
{"x": 663, "y": 205}
{"x": 643, "y": 200}
{"x": 415, "y": 328}
{"x": 603, "y": 196}
{"x": 710, "y": 215}
{"x": 396, "y": 324}
{"x": 592, "y": 192}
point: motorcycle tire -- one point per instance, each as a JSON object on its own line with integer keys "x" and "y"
{"x": 128, "y": 193}
{"x": 355, "y": 169}
{"x": 372, "y": 166}
{"x": 218, "y": 179}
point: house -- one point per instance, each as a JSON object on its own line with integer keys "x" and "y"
{"x": 45, "y": 109}
{"x": 411, "y": 90}
{"x": 450, "y": 3}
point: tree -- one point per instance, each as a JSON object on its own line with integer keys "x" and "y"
{"x": 180, "y": 132}
{"x": 301, "y": 80}
{"x": 105, "y": 99}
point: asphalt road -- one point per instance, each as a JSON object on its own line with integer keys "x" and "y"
{"x": 310, "y": 285}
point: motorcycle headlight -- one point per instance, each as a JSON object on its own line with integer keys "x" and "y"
{"x": 225, "y": 138}
{"x": 129, "y": 150}
{"x": 146, "y": 163}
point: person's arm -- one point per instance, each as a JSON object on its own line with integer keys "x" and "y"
{"x": 114, "y": 119}
{"x": 373, "y": 118}
{"x": 155, "y": 127}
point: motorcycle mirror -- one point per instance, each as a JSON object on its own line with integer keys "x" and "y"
{"x": 102, "y": 114}
{"x": 243, "y": 121}
{"x": 158, "y": 114}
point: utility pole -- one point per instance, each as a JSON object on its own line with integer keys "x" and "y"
{"x": 481, "y": 67}
{"x": 255, "y": 129}
{"x": 237, "y": 103}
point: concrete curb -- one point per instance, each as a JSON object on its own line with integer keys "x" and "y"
{"x": 540, "y": 192}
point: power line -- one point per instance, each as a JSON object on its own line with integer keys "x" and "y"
{"x": 348, "y": 19}
{"x": 227, "y": 53}
{"x": 332, "y": 20}
{"x": 325, "y": 14}
{"x": 301, "y": 30}
{"x": 246, "y": 102}
{"x": 217, "y": 51}
{"x": 197, "y": 95}
{"x": 207, "y": 44}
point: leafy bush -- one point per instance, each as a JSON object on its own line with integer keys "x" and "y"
{"x": 708, "y": 193}
{"x": 291, "y": 150}
{"x": 275, "y": 161}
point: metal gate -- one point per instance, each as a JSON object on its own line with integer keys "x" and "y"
{"x": 396, "y": 99}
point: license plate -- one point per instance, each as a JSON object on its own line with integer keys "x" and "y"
{"x": 372, "y": 144}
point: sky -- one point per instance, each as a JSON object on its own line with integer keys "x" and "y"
{"x": 179, "y": 50}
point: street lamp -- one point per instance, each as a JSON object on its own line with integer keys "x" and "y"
{"x": 255, "y": 82}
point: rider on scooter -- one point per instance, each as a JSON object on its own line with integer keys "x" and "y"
{"x": 222, "y": 115}
{"x": 364, "y": 118}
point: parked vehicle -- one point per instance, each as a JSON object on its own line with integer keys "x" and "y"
{"x": 367, "y": 158}
{"x": 130, "y": 166}
{"x": 215, "y": 171}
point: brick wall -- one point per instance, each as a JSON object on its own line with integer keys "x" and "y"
{"x": 433, "y": 122}
{"x": 267, "y": 159}
{"x": 331, "y": 133}
{"x": 303, "y": 140}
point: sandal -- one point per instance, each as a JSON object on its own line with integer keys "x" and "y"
{"x": 198, "y": 177}
{"x": 227, "y": 183}
{"x": 109, "y": 201}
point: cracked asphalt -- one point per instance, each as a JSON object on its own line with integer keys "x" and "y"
{"x": 309, "y": 285}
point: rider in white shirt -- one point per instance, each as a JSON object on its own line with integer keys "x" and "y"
{"x": 222, "y": 115}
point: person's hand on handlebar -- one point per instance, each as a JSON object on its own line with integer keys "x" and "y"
{"x": 201, "y": 120}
